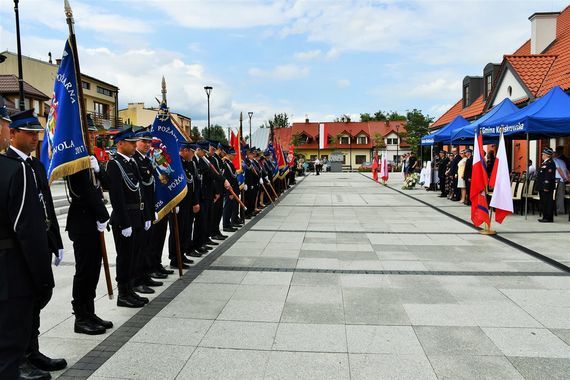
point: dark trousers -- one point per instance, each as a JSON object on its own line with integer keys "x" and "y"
{"x": 547, "y": 203}
{"x": 128, "y": 254}
{"x": 442, "y": 186}
{"x": 230, "y": 211}
{"x": 201, "y": 224}
{"x": 250, "y": 196}
{"x": 158, "y": 236}
{"x": 217, "y": 212}
{"x": 185, "y": 226}
{"x": 468, "y": 191}
{"x": 33, "y": 343}
{"x": 15, "y": 331}
{"x": 144, "y": 262}
{"x": 87, "y": 252}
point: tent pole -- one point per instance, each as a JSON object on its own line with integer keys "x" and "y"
{"x": 526, "y": 178}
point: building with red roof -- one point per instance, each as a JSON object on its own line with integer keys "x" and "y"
{"x": 355, "y": 140}
{"x": 539, "y": 64}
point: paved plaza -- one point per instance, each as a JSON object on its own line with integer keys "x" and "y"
{"x": 343, "y": 279}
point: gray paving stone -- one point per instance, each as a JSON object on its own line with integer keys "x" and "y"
{"x": 390, "y": 366}
{"x": 315, "y": 279}
{"x": 310, "y": 337}
{"x": 528, "y": 342}
{"x": 180, "y": 331}
{"x": 358, "y": 312}
{"x": 440, "y": 315}
{"x": 246, "y": 335}
{"x": 542, "y": 368}
{"x": 220, "y": 277}
{"x": 267, "y": 278}
{"x": 315, "y": 294}
{"x": 248, "y": 310}
{"x": 399, "y": 340}
{"x": 471, "y": 367}
{"x": 563, "y": 334}
{"x": 307, "y": 365}
{"x": 438, "y": 340}
{"x": 329, "y": 313}
{"x": 217, "y": 363}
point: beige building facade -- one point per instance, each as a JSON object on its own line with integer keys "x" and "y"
{"x": 137, "y": 114}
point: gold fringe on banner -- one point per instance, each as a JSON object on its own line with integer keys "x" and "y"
{"x": 70, "y": 168}
{"x": 172, "y": 204}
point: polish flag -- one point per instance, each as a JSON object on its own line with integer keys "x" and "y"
{"x": 384, "y": 168}
{"x": 375, "y": 166}
{"x": 323, "y": 137}
{"x": 479, "y": 182}
{"x": 502, "y": 199}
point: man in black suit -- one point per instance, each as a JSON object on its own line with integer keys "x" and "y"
{"x": 24, "y": 132}
{"x": 441, "y": 169}
{"x": 86, "y": 219}
{"x": 453, "y": 170}
{"x": 467, "y": 174}
{"x": 230, "y": 204}
{"x": 143, "y": 269}
{"x": 214, "y": 156}
{"x": 127, "y": 218}
{"x": 26, "y": 279}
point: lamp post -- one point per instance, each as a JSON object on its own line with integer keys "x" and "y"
{"x": 250, "y": 114}
{"x": 397, "y": 144}
{"x": 350, "y": 146}
{"x": 19, "y": 47}
{"x": 208, "y": 90}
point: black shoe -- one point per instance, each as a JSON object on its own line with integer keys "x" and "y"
{"x": 174, "y": 265}
{"x": 143, "y": 289}
{"x": 29, "y": 372}
{"x": 133, "y": 294}
{"x": 128, "y": 301}
{"x": 186, "y": 260}
{"x": 158, "y": 275}
{"x": 202, "y": 250}
{"x": 230, "y": 229}
{"x": 163, "y": 270}
{"x": 44, "y": 363}
{"x": 84, "y": 325}
{"x": 219, "y": 237}
{"x": 101, "y": 322}
{"x": 210, "y": 242}
{"x": 194, "y": 254}
{"x": 150, "y": 282}
{"x": 237, "y": 225}
{"x": 545, "y": 220}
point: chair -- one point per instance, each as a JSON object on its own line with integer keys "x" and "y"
{"x": 517, "y": 196}
{"x": 528, "y": 194}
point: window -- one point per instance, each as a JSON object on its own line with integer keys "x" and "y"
{"x": 466, "y": 100}
{"x": 488, "y": 84}
{"x": 360, "y": 159}
{"x": 345, "y": 140}
{"x": 344, "y": 159}
{"x": 104, "y": 91}
{"x": 392, "y": 141}
{"x": 86, "y": 85}
{"x": 362, "y": 140}
{"x": 26, "y": 103}
{"x": 37, "y": 109}
{"x": 101, "y": 109}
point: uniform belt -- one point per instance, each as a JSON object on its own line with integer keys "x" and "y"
{"x": 7, "y": 243}
{"x": 135, "y": 206}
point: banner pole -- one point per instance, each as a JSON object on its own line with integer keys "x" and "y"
{"x": 177, "y": 240}
{"x": 106, "y": 265}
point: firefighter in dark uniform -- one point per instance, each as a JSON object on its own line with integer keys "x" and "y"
{"x": 26, "y": 278}
{"x": 127, "y": 218}
{"x": 441, "y": 169}
{"x": 86, "y": 218}
{"x": 143, "y": 280}
{"x": 215, "y": 151}
{"x": 251, "y": 183}
{"x": 230, "y": 203}
{"x": 24, "y": 132}
{"x": 545, "y": 184}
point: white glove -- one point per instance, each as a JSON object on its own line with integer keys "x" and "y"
{"x": 227, "y": 184}
{"x": 101, "y": 226}
{"x": 94, "y": 164}
{"x": 177, "y": 209}
{"x": 127, "y": 232}
{"x": 156, "y": 216}
{"x": 147, "y": 225}
{"x": 261, "y": 181}
{"x": 245, "y": 187}
{"x": 59, "y": 257}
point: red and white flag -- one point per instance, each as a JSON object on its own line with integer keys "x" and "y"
{"x": 323, "y": 137}
{"x": 384, "y": 168}
{"x": 375, "y": 166}
{"x": 502, "y": 199}
{"x": 479, "y": 182}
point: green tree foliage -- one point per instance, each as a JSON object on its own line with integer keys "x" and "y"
{"x": 215, "y": 132}
{"x": 345, "y": 118}
{"x": 279, "y": 121}
{"x": 297, "y": 140}
{"x": 364, "y": 117}
{"x": 382, "y": 116}
{"x": 378, "y": 140}
{"x": 417, "y": 125}
{"x": 195, "y": 134}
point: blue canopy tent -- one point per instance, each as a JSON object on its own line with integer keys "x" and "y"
{"x": 466, "y": 134}
{"x": 548, "y": 116}
{"x": 444, "y": 134}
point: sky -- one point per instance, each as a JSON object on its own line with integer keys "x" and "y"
{"x": 308, "y": 58}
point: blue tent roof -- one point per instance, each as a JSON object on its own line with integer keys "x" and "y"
{"x": 548, "y": 116}
{"x": 467, "y": 133}
{"x": 444, "y": 134}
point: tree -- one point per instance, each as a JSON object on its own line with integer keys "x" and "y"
{"x": 215, "y": 132}
{"x": 378, "y": 140}
{"x": 195, "y": 134}
{"x": 417, "y": 126}
{"x": 297, "y": 140}
{"x": 345, "y": 118}
{"x": 364, "y": 117}
{"x": 279, "y": 121}
{"x": 395, "y": 116}
{"x": 379, "y": 116}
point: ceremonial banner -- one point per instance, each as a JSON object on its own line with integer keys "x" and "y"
{"x": 169, "y": 177}
{"x": 375, "y": 166}
{"x": 235, "y": 143}
{"x": 64, "y": 151}
{"x": 479, "y": 182}
{"x": 291, "y": 156}
{"x": 502, "y": 199}
{"x": 273, "y": 155}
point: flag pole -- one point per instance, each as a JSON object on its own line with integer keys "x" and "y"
{"x": 177, "y": 241}
{"x": 83, "y": 114}
{"x": 527, "y": 179}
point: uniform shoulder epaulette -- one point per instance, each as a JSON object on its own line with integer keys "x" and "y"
{"x": 15, "y": 159}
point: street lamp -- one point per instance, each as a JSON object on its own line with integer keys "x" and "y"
{"x": 208, "y": 90}
{"x": 250, "y": 114}
{"x": 398, "y": 144}
{"x": 19, "y": 48}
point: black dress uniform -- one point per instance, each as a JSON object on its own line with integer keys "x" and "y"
{"x": 85, "y": 211}
{"x": 144, "y": 264}
{"x": 230, "y": 204}
{"x": 128, "y": 209}
{"x": 467, "y": 174}
{"x": 252, "y": 183}
{"x": 212, "y": 181}
{"x": 441, "y": 169}
{"x": 545, "y": 184}
{"x": 26, "y": 278}
{"x": 217, "y": 207}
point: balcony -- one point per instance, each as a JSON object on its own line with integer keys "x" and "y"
{"x": 106, "y": 121}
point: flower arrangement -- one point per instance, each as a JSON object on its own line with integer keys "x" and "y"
{"x": 411, "y": 181}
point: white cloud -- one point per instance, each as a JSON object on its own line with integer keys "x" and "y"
{"x": 308, "y": 55}
{"x": 343, "y": 83}
{"x": 281, "y": 72}
{"x": 437, "y": 87}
